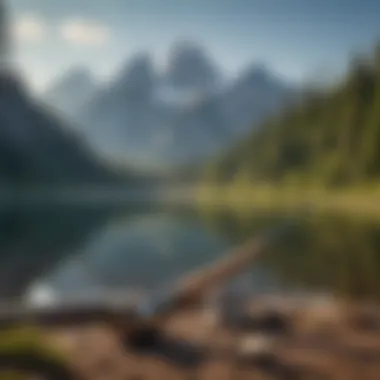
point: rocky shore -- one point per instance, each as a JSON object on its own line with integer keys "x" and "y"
{"x": 274, "y": 338}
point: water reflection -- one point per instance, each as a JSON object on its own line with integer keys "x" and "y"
{"x": 143, "y": 251}
{"x": 35, "y": 239}
{"x": 328, "y": 253}
{"x": 91, "y": 249}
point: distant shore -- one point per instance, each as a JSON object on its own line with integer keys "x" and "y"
{"x": 358, "y": 201}
{"x": 321, "y": 337}
{"x": 84, "y": 194}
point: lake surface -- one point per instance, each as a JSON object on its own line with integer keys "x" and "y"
{"x": 76, "y": 248}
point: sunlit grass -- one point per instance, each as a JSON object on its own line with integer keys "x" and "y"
{"x": 364, "y": 200}
{"x": 26, "y": 342}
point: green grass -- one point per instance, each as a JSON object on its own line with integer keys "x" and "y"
{"x": 243, "y": 198}
{"x": 27, "y": 345}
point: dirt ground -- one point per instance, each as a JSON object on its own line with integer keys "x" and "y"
{"x": 276, "y": 339}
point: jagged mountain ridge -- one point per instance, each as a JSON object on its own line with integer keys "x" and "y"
{"x": 72, "y": 91}
{"x": 189, "y": 66}
{"x": 181, "y": 115}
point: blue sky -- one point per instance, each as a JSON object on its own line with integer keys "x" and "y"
{"x": 296, "y": 38}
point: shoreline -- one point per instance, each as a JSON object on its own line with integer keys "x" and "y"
{"x": 351, "y": 201}
{"x": 313, "y": 336}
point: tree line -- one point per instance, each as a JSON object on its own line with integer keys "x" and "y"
{"x": 330, "y": 137}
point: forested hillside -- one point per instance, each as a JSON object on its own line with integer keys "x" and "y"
{"x": 331, "y": 138}
{"x": 37, "y": 148}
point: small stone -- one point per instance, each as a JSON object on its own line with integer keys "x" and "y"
{"x": 254, "y": 344}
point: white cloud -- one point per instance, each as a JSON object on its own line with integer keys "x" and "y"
{"x": 84, "y": 32}
{"x": 29, "y": 28}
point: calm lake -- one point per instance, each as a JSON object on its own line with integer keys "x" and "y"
{"x": 74, "y": 248}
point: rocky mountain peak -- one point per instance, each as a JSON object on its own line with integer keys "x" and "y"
{"x": 189, "y": 65}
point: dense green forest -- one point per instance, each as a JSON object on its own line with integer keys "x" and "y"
{"x": 329, "y": 138}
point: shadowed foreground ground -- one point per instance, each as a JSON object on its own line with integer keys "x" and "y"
{"x": 277, "y": 339}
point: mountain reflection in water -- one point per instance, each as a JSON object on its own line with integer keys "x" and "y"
{"x": 72, "y": 249}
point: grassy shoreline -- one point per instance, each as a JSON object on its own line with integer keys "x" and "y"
{"x": 245, "y": 199}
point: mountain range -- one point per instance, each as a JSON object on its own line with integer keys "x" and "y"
{"x": 181, "y": 115}
{"x": 71, "y": 91}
